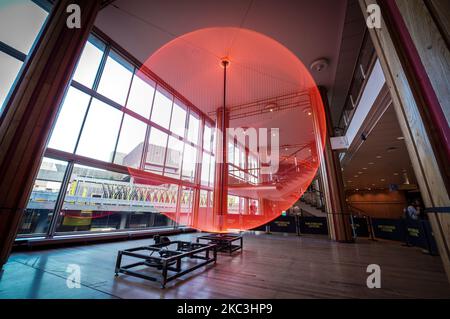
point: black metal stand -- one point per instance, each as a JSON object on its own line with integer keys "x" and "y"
{"x": 166, "y": 259}
{"x": 224, "y": 242}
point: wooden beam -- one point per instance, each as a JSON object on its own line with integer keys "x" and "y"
{"x": 29, "y": 113}
{"x": 408, "y": 99}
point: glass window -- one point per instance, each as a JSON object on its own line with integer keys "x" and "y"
{"x": 100, "y": 131}
{"x": 178, "y": 122}
{"x": 194, "y": 124}
{"x": 205, "y": 168}
{"x": 67, "y": 128}
{"x": 230, "y": 155}
{"x": 101, "y": 200}
{"x": 42, "y": 201}
{"x": 207, "y": 134}
{"x": 116, "y": 78}
{"x": 233, "y": 204}
{"x": 141, "y": 95}
{"x": 157, "y": 143}
{"x": 212, "y": 171}
{"x": 20, "y": 23}
{"x": 189, "y": 161}
{"x": 10, "y": 69}
{"x": 131, "y": 142}
{"x": 187, "y": 198}
{"x": 162, "y": 108}
{"x": 253, "y": 207}
{"x": 173, "y": 157}
{"x": 90, "y": 60}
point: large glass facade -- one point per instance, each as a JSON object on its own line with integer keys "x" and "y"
{"x": 26, "y": 18}
{"x": 126, "y": 153}
{"x": 146, "y": 145}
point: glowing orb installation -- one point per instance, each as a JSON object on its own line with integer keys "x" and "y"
{"x": 268, "y": 87}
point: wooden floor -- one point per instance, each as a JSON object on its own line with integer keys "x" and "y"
{"x": 271, "y": 266}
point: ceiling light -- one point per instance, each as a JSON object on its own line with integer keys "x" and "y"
{"x": 371, "y": 163}
{"x": 400, "y": 138}
{"x": 360, "y": 173}
{"x": 396, "y": 174}
{"x": 364, "y": 168}
{"x": 383, "y": 180}
{"x": 356, "y": 176}
{"x": 379, "y": 156}
{"x": 349, "y": 182}
{"x": 373, "y": 184}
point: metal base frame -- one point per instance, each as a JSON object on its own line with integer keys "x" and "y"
{"x": 224, "y": 242}
{"x": 165, "y": 259}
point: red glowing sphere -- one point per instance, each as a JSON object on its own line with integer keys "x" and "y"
{"x": 269, "y": 88}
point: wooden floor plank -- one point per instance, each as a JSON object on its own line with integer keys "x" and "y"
{"x": 271, "y": 266}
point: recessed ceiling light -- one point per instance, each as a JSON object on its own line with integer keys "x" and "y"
{"x": 373, "y": 184}
{"x": 383, "y": 180}
{"x": 396, "y": 174}
{"x": 364, "y": 168}
{"x": 371, "y": 163}
{"x": 356, "y": 176}
{"x": 379, "y": 156}
{"x": 360, "y": 173}
{"x": 400, "y": 138}
{"x": 349, "y": 182}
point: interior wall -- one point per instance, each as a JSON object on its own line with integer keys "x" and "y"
{"x": 379, "y": 203}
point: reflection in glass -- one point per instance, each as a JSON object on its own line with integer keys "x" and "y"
{"x": 194, "y": 124}
{"x": 100, "y": 200}
{"x": 67, "y": 128}
{"x": 157, "y": 142}
{"x": 141, "y": 95}
{"x": 131, "y": 142}
{"x": 173, "y": 157}
{"x": 99, "y": 135}
{"x": 162, "y": 108}
{"x": 90, "y": 59}
{"x": 207, "y": 138}
{"x": 212, "y": 171}
{"x": 178, "y": 122}
{"x": 206, "y": 159}
{"x": 189, "y": 161}
{"x": 42, "y": 201}
{"x": 186, "y": 201}
{"x": 8, "y": 74}
{"x": 116, "y": 78}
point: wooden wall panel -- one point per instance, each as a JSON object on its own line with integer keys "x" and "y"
{"x": 379, "y": 204}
